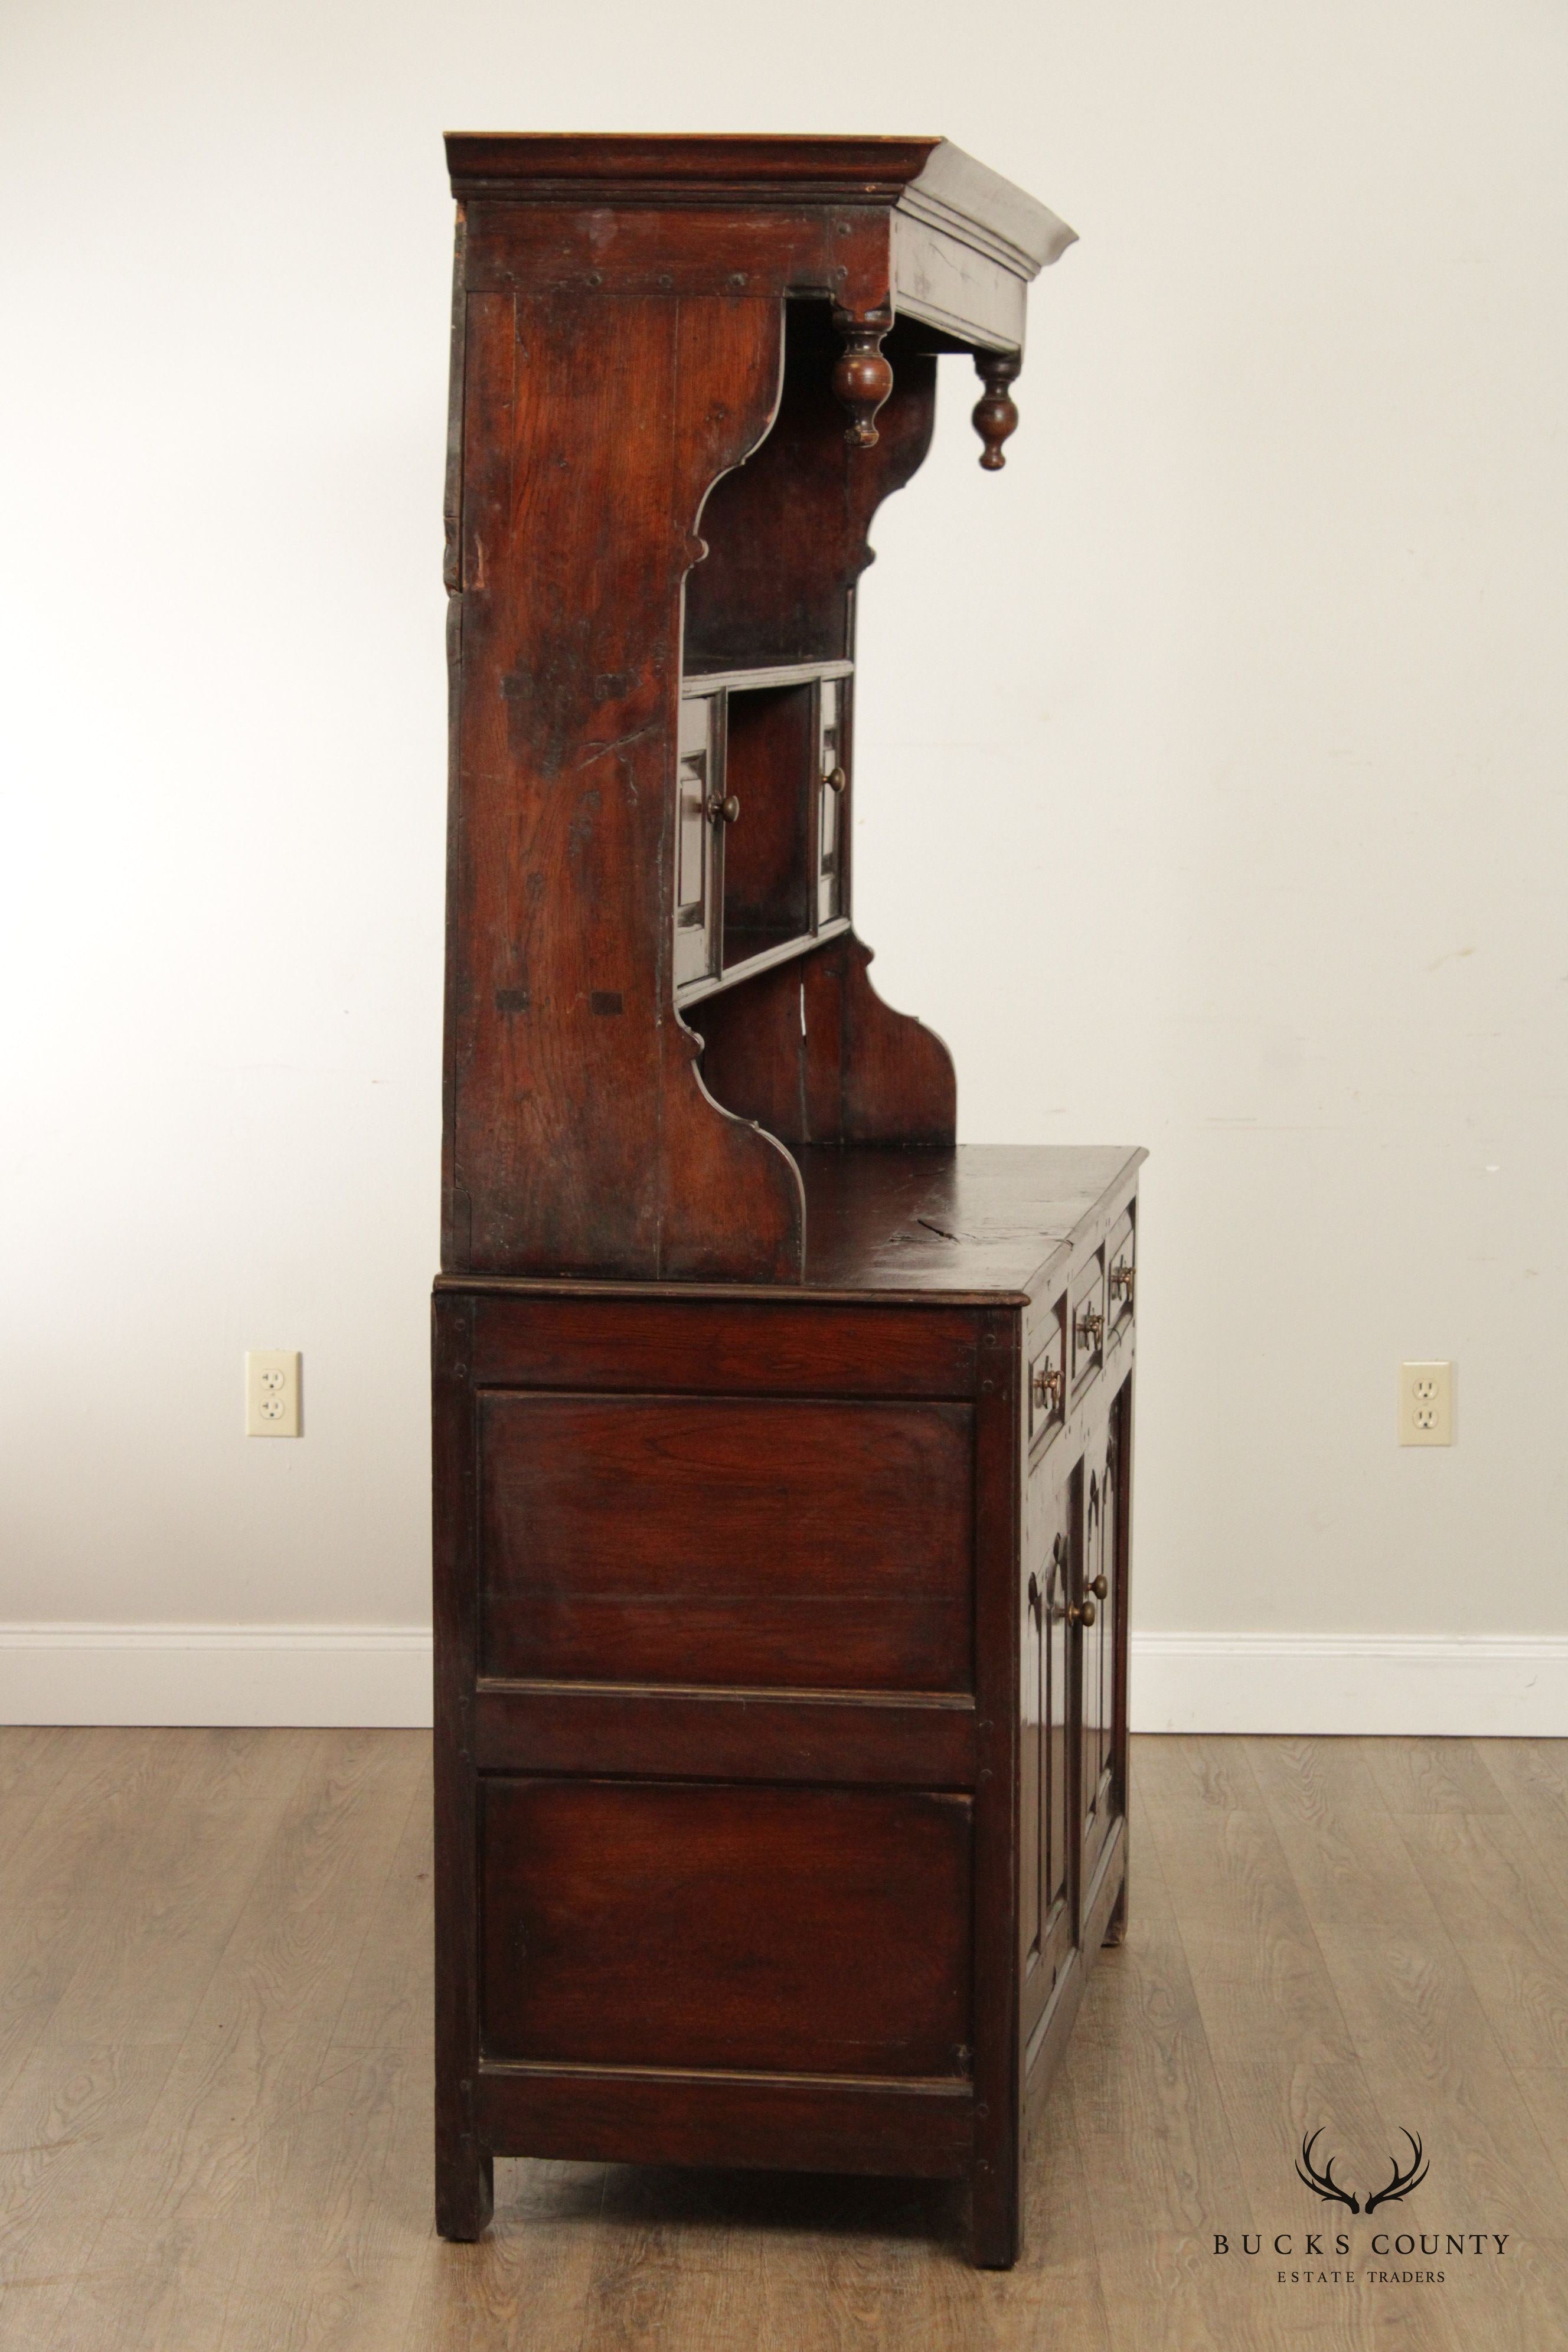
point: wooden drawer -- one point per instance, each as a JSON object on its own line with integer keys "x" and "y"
{"x": 779, "y": 1541}
{"x": 806, "y": 1931}
{"x": 1086, "y": 1322}
{"x": 1121, "y": 1272}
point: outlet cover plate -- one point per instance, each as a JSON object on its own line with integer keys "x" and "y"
{"x": 1426, "y": 1405}
{"x": 272, "y": 1393}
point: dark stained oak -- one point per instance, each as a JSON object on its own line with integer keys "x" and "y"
{"x": 780, "y": 1777}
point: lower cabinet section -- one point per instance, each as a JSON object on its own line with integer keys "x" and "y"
{"x": 781, "y": 1727}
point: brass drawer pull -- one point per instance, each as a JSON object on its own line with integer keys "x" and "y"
{"x": 724, "y": 812}
{"x": 835, "y": 780}
{"x": 1122, "y": 1281}
{"x": 1081, "y": 1612}
{"x": 1098, "y": 1586}
{"x": 1089, "y": 1327}
{"x": 1046, "y": 1388}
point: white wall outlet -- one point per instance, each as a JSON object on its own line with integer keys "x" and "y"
{"x": 1425, "y": 1404}
{"x": 272, "y": 1393}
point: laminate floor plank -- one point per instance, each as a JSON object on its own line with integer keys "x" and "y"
{"x": 1259, "y": 1978}
{"x": 181, "y": 1884}
{"x": 341, "y": 2257}
{"x": 1533, "y": 1777}
{"x": 1509, "y": 1922}
{"x": 33, "y": 1758}
{"x": 1326, "y": 1805}
{"x": 222, "y": 2139}
{"x": 65, "y": 1872}
{"x": 524, "y": 2287}
{"x": 68, "y": 2131}
{"x": 1432, "y": 1776}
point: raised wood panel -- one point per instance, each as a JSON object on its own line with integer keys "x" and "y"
{"x": 801, "y": 1931}
{"x": 826, "y": 1546}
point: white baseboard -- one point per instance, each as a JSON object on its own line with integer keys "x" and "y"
{"x": 1477, "y": 1686}
{"x": 375, "y": 1675}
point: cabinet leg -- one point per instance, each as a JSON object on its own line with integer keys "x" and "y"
{"x": 995, "y": 2217}
{"x": 465, "y": 2188}
{"x": 1116, "y": 1926}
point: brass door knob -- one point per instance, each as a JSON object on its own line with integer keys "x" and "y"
{"x": 1081, "y": 1612}
{"x": 1098, "y": 1586}
{"x": 724, "y": 812}
{"x": 835, "y": 780}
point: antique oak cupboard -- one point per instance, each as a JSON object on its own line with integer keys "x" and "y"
{"x": 782, "y": 1448}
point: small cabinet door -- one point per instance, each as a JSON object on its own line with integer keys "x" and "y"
{"x": 832, "y": 799}
{"x": 1047, "y": 1810}
{"x": 698, "y": 843}
{"x": 1100, "y": 1610}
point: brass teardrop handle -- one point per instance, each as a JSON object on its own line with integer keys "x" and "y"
{"x": 724, "y": 812}
{"x": 835, "y": 780}
{"x": 1081, "y": 1612}
{"x": 1098, "y": 1586}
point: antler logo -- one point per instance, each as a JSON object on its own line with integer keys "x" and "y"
{"x": 1327, "y": 2188}
{"x": 1323, "y": 2182}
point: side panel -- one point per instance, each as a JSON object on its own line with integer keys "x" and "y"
{"x": 581, "y": 1140}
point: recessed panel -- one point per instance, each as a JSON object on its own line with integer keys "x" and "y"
{"x": 816, "y": 1931}
{"x": 823, "y": 1545}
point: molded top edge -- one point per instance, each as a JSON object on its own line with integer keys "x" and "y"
{"x": 638, "y": 167}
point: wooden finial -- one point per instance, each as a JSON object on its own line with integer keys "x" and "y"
{"x": 863, "y": 378}
{"x": 996, "y": 414}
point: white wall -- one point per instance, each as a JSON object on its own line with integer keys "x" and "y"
{"x": 1211, "y": 763}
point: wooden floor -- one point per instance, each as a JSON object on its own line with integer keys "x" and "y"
{"x": 215, "y": 2078}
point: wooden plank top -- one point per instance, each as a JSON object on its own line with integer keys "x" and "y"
{"x": 929, "y": 178}
{"x": 983, "y": 1222}
{"x": 974, "y": 1218}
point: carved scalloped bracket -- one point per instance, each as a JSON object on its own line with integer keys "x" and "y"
{"x": 813, "y": 1053}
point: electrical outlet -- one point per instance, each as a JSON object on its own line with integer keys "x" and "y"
{"x": 272, "y": 1393}
{"x": 1425, "y": 1404}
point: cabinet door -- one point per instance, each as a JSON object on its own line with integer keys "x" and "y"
{"x": 1102, "y": 1634}
{"x": 1047, "y": 1810}
{"x": 832, "y": 799}
{"x": 697, "y": 842}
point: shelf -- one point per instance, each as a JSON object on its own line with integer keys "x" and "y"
{"x": 742, "y": 681}
{"x": 785, "y": 952}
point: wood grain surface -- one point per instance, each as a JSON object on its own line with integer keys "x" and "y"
{"x": 216, "y": 2079}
